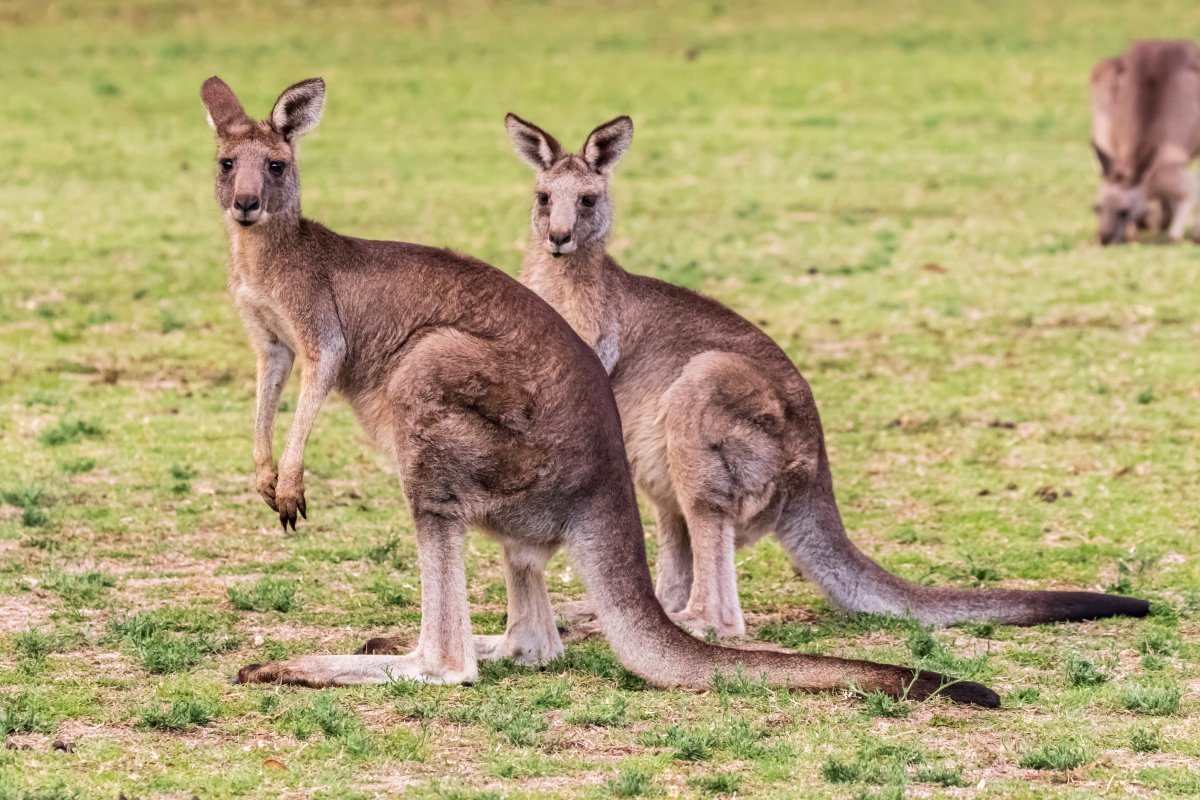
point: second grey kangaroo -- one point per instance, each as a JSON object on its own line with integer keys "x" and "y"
{"x": 721, "y": 429}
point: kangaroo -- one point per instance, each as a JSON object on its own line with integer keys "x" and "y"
{"x": 498, "y": 416}
{"x": 721, "y": 430}
{"x": 1145, "y": 132}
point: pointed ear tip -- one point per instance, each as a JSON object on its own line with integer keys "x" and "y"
{"x": 512, "y": 120}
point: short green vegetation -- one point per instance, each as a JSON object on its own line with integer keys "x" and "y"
{"x": 899, "y": 194}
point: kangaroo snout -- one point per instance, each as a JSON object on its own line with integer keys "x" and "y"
{"x": 559, "y": 244}
{"x": 247, "y": 209}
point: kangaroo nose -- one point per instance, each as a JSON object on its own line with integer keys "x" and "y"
{"x": 246, "y": 203}
{"x": 560, "y": 238}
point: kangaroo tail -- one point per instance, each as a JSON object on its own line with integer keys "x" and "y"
{"x": 813, "y": 535}
{"x": 609, "y": 551}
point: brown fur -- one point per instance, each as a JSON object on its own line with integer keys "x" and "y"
{"x": 721, "y": 430}
{"x": 1145, "y": 132}
{"x": 498, "y": 416}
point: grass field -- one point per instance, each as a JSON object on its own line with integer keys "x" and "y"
{"x": 899, "y": 193}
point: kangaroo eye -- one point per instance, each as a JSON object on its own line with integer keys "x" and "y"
{"x": 543, "y": 198}
{"x": 276, "y": 167}
{"x": 226, "y": 164}
{"x": 589, "y": 200}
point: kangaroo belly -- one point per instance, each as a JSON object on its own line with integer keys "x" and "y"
{"x": 646, "y": 446}
{"x": 374, "y": 412}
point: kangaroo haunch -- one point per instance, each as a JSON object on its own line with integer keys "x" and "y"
{"x": 721, "y": 430}
{"x": 498, "y": 416}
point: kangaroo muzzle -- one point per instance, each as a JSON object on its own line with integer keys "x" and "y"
{"x": 246, "y": 209}
{"x": 560, "y": 243}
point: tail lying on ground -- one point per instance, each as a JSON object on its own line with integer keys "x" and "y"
{"x": 813, "y": 535}
{"x": 612, "y": 559}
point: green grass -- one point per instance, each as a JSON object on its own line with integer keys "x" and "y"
{"x": 171, "y": 640}
{"x": 26, "y": 712}
{"x": 80, "y": 589}
{"x": 182, "y": 715}
{"x": 631, "y": 782}
{"x": 267, "y": 594}
{"x": 1145, "y": 740}
{"x": 1152, "y": 699}
{"x": 1060, "y": 755}
{"x": 898, "y": 194}
{"x": 603, "y": 712}
{"x": 1082, "y": 672}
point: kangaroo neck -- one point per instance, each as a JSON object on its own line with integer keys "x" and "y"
{"x": 585, "y": 288}
{"x": 254, "y": 250}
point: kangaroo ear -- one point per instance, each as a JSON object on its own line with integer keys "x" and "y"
{"x": 605, "y": 145}
{"x": 1106, "y": 162}
{"x": 1143, "y": 165}
{"x": 533, "y": 145}
{"x": 298, "y": 109}
{"x": 223, "y": 107}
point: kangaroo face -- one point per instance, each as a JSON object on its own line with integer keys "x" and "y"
{"x": 1122, "y": 199}
{"x": 1118, "y": 208}
{"x": 256, "y": 175}
{"x": 571, "y": 206}
{"x": 256, "y": 161}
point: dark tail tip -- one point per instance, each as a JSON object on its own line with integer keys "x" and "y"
{"x": 970, "y": 693}
{"x": 246, "y": 674}
{"x": 930, "y": 684}
{"x": 1079, "y": 606}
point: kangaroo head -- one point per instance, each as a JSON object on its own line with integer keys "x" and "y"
{"x": 1123, "y": 198}
{"x": 571, "y": 208}
{"x": 256, "y": 161}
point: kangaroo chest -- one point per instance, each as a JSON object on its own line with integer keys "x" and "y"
{"x": 261, "y": 312}
{"x": 591, "y": 312}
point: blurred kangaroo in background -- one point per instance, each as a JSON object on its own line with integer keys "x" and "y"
{"x": 498, "y": 416}
{"x": 1145, "y": 132}
{"x": 721, "y": 429}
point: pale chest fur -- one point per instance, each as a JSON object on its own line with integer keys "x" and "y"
{"x": 589, "y": 308}
{"x": 265, "y": 324}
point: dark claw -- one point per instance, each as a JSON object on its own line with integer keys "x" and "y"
{"x": 302, "y": 508}
{"x": 283, "y": 521}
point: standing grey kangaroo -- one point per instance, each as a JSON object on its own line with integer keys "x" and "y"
{"x": 721, "y": 430}
{"x": 498, "y": 416}
{"x": 1145, "y": 132}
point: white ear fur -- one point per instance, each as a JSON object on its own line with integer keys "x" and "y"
{"x": 298, "y": 109}
{"x": 533, "y": 145}
{"x": 607, "y": 143}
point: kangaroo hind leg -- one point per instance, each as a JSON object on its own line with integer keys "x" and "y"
{"x": 445, "y": 652}
{"x": 531, "y": 637}
{"x": 673, "y": 568}
{"x": 723, "y": 422}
